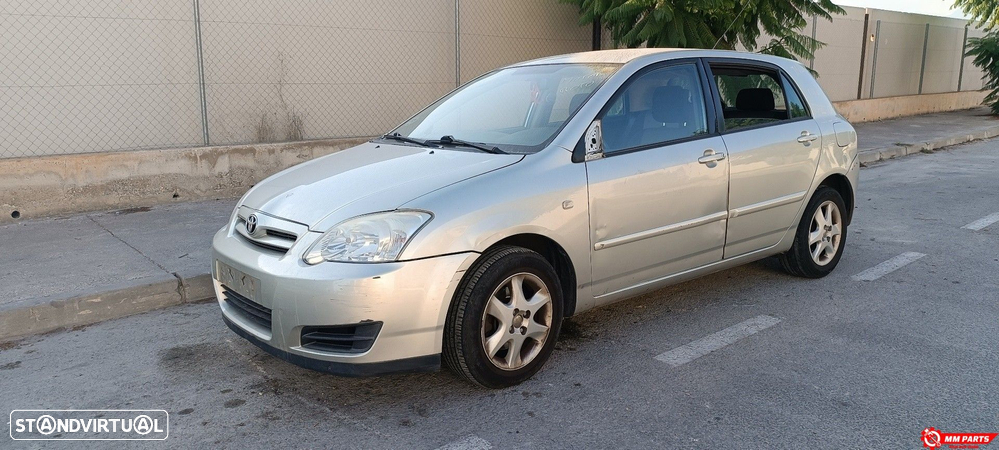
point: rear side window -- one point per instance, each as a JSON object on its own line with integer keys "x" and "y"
{"x": 752, "y": 97}
{"x": 795, "y": 106}
{"x": 662, "y": 105}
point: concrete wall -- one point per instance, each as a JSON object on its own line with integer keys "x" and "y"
{"x": 899, "y": 53}
{"x": 52, "y": 185}
{"x": 838, "y": 62}
{"x": 899, "y": 44}
{"x": 872, "y": 109}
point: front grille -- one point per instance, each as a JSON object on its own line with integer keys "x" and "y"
{"x": 356, "y": 338}
{"x": 270, "y": 233}
{"x": 282, "y": 235}
{"x": 264, "y": 245}
{"x": 250, "y": 310}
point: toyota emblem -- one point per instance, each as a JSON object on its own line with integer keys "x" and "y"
{"x": 251, "y": 224}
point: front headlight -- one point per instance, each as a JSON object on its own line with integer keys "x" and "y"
{"x": 376, "y": 237}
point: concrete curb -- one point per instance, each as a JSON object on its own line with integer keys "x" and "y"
{"x": 870, "y": 156}
{"x": 90, "y": 309}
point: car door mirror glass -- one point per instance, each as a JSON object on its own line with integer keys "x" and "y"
{"x": 594, "y": 141}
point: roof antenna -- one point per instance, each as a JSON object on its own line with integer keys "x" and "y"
{"x": 744, "y": 5}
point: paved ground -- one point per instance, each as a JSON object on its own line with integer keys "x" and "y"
{"x": 918, "y": 129}
{"x": 60, "y": 258}
{"x": 843, "y": 364}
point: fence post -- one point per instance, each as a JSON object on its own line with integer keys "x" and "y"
{"x": 201, "y": 72}
{"x": 863, "y": 55}
{"x": 457, "y": 43}
{"x": 597, "y": 38}
{"x": 874, "y": 62}
{"x": 922, "y": 65}
{"x": 964, "y": 48}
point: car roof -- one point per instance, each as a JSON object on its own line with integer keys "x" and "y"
{"x": 626, "y": 55}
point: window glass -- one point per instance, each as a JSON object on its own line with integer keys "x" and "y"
{"x": 659, "y": 106}
{"x": 753, "y": 97}
{"x": 795, "y": 107}
{"x": 518, "y": 109}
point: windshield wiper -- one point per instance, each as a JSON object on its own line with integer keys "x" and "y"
{"x": 401, "y": 138}
{"x": 450, "y": 140}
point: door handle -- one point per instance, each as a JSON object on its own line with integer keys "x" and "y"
{"x": 807, "y": 137}
{"x": 710, "y": 157}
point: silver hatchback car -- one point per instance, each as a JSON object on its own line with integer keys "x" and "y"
{"x": 530, "y": 194}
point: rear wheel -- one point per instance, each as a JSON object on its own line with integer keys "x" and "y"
{"x": 505, "y": 319}
{"x": 820, "y": 236}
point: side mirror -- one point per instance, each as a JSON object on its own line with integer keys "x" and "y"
{"x": 593, "y": 142}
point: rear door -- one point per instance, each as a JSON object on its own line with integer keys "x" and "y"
{"x": 658, "y": 198}
{"x": 773, "y": 147}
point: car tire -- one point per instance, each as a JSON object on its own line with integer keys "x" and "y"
{"x": 483, "y": 318}
{"x": 811, "y": 258}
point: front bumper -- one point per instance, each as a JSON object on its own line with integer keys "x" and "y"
{"x": 410, "y": 299}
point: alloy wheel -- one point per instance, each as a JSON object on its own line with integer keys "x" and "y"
{"x": 825, "y": 233}
{"x": 516, "y": 321}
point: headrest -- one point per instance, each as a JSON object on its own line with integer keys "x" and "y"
{"x": 755, "y": 99}
{"x": 671, "y": 104}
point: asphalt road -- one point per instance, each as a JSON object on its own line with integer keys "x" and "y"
{"x": 831, "y": 363}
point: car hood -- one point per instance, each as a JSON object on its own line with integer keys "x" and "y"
{"x": 364, "y": 179}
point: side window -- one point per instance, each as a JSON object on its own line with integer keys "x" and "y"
{"x": 752, "y": 96}
{"x": 661, "y": 105}
{"x": 795, "y": 106}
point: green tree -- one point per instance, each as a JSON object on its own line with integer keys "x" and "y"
{"x": 985, "y": 12}
{"x": 985, "y": 49}
{"x": 721, "y": 24}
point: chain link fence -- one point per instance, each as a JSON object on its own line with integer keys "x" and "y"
{"x": 107, "y": 75}
{"x": 113, "y": 75}
{"x": 279, "y": 71}
{"x": 498, "y": 33}
{"x": 94, "y": 76}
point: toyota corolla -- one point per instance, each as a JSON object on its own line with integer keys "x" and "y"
{"x": 535, "y": 192}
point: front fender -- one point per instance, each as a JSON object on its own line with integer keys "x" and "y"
{"x": 545, "y": 195}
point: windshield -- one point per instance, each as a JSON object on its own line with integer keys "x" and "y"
{"x": 518, "y": 110}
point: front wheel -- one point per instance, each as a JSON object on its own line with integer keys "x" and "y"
{"x": 820, "y": 236}
{"x": 505, "y": 318}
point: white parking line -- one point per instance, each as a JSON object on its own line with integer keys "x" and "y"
{"x": 689, "y": 352}
{"x": 887, "y": 267}
{"x": 472, "y": 442}
{"x": 980, "y": 224}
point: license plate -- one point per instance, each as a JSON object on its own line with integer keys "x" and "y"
{"x": 240, "y": 282}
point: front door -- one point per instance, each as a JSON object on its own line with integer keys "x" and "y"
{"x": 773, "y": 151}
{"x": 658, "y": 198}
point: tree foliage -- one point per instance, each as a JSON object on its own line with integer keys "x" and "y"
{"x": 984, "y": 11}
{"x": 985, "y": 51}
{"x": 724, "y": 24}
